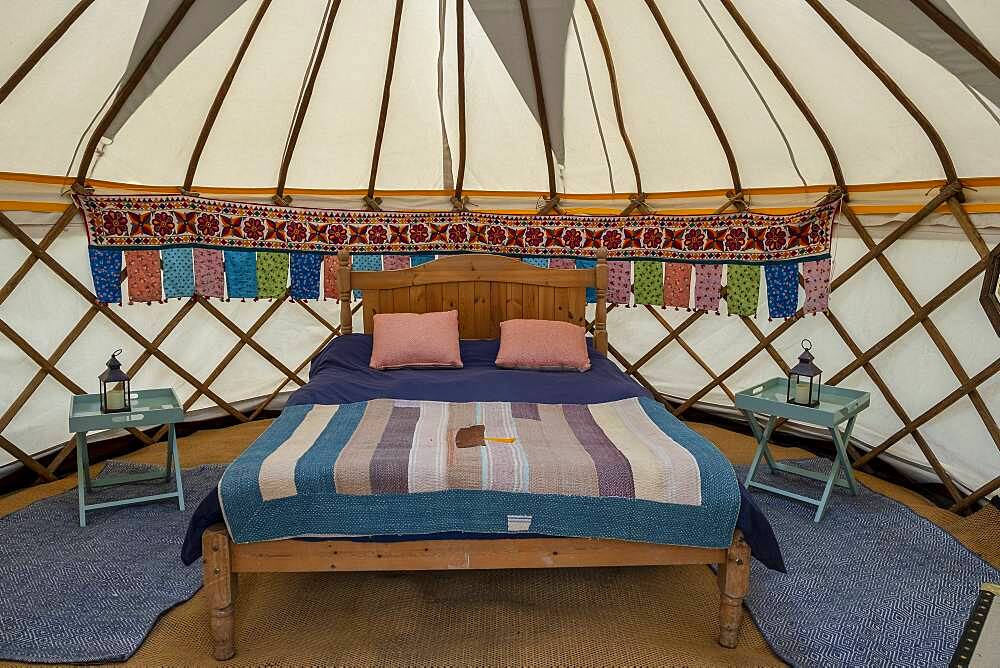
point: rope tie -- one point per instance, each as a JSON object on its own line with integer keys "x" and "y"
{"x": 637, "y": 202}
{"x": 372, "y": 203}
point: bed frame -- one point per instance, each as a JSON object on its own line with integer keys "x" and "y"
{"x": 485, "y": 290}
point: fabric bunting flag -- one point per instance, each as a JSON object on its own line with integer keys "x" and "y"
{"x": 209, "y": 276}
{"x": 272, "y": 275}
{"x": 648, "y": 282}
{"x": 393, "y": 262}
{"x": 782, "y": 289}
{"x": 331, "y": 266}
{"x": 417, "y": 260}
{"x": 707, "y": 287}
{"x": 106, "y": 268}
{"x": 304, "y": 274}
{"x": 619, "y": 281}
{"x": 241, "y": 274}
{"x": 677, "y": 285}
{"x": 591, "y": 292}
{"x": 816, "y": 277}
{"x": 144, "y": 281}
{"x": 178, "y": 272}
{"x": 364, "y": 262}
{"x": 562, "y": 263}
{"x": 742, "y": 289}
{"x": 542, "y": 262}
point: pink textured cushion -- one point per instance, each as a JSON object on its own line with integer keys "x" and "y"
{"x": 416, "y": 340}
{"x": 542, "y": 344}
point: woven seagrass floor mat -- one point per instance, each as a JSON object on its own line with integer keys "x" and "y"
{"x": 579, "y": 617}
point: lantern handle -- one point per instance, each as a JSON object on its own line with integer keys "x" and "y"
{"x": 117, "y": 353}
{"x": 806, "y": 347}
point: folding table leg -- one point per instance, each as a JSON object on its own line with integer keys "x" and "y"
{"x": 82, "y": 476}
{"x": 840, "y": 441}
{"x": 762, "y": 436}
{"x": 172, "y": 454}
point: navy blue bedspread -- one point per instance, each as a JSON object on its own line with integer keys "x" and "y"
{"x": 341, "y": 375}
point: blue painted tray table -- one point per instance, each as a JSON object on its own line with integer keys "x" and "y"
{"x": 149, "y": 408}
{"x": 838, "y": 406}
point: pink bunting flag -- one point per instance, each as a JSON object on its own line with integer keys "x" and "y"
{"x": 562, "y": 263}
{"x": 816, "y": 279}
{"x": 619, "y": 281}
{"x": 331, "y": 265}
{"x": 707, "y": 287}
{"x": 390, "y": 262}
{"x": 209, "y": 275}
{"x": 677, "y": 285}
{"x": 144, "y": 281}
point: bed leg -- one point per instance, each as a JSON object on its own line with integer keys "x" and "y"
{"x": 734, "y": 582}
{"x": 220, "y": 586}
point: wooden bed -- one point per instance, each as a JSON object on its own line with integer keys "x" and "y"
{"x": 485, "y": 290}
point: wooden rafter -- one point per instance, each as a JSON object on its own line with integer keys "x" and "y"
{"x": 220, "y": 95}
{"x": 543, "y": 115}
{"x": 616, "y": 99}
{"x": 390, "y": 67}
{"x": 699, "y": 93}
{"x": 300, "y": 112}
{"x": 460, "y": 66}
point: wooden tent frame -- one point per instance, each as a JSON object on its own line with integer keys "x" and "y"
{"x": 949, "y": 198}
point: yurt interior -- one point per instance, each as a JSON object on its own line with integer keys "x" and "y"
{"x": 500, "y": 332}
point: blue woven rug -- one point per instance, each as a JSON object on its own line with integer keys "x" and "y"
{"x": 873, "y": 584}
{"x": 73, "y": 595}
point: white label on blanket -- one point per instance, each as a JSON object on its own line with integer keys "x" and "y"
{"x": 518, "y": 523}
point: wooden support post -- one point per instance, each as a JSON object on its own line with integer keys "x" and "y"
{"x": 734, "y": 583}
{"x": 601, "y": 311}
{"x": 344, "y": 286}
{"x": 220, "y": 587}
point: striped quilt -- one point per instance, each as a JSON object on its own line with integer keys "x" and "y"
{"x": 624, "y": 469}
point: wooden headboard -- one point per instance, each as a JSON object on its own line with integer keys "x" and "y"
{"x": 485, "y": 289}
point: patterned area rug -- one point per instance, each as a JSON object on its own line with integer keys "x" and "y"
{"x": 82, "y": 595}
{"x": 873, "y": 584}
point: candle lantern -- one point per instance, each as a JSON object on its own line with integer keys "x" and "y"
{"x": 804, "y": 379}
{"x": 115, "y": 389}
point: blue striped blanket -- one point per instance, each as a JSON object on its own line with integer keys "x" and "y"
{"x": 624, "y": 469}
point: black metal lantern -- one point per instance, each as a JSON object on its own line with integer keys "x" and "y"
{"x": 115, "y": 389}
{"x": 804, "y": 379}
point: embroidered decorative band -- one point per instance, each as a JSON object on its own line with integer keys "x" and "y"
{"x": 149, "y": 222}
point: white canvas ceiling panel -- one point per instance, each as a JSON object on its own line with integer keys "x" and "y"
{"x": 248, "y": 139}
{"x": 154, "y": 144}
{"x": 45, "y": 116}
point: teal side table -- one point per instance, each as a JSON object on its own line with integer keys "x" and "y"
{"x": 149, "y": 408}
{"x": 838, "y": 406}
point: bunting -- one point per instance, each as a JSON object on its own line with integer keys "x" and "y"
{"x": 707, "y": 287}
{"x": 676, "y": 284}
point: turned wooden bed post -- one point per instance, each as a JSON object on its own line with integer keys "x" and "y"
{"x": 601, "y": 307}
{"x": 344, "y": 287}
{"x": 220, "y": 587}
{"x": 734, "y": 583}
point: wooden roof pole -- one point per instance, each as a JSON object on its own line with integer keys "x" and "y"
{"x": 457, "y": 200}
{"x": 779, "y": 74}
{"x": 220, "y": 96}
{"x": 126, "y": 90}
{"x": 638, "y": 201}
{"x": 372, "y": 202}
{"x": 968, "y": 42}
{"x": 300, "y": 112}
{"x": 699, "y": 93}
{"x": 43, "y": 47}
{"x": 890, "y": 84}
{"x": 552, "y": 203}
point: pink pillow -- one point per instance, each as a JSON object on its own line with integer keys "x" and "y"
{"x": 544, "y": 345}
{"x": 416, "y": 340}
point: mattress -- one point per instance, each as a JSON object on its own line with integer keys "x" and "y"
{"x": 340, "y": 378}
